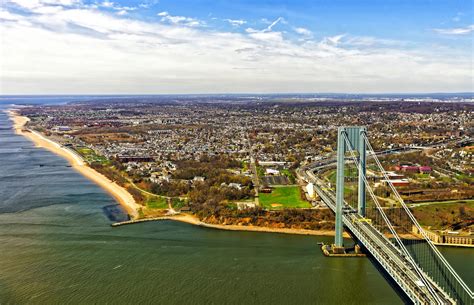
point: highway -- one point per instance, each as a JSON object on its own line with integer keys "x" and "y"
{"x": 331, "y": 162}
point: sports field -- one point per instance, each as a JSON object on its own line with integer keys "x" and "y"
{"x": 283, "y": 197}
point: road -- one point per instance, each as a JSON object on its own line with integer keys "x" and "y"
{"x": 256, "y": 180}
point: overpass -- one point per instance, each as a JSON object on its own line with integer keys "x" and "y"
{"x": 416, "y": 266}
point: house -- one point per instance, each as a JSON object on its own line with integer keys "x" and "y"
{"x": 393, "y": 175}
{"x": 413, "y": 169}
{"x": 310, "y": 190}
{"x": 425, "y": 169}
{"x": 396, "y": 182}
{"x": 235, "y": 185}
{"x": 407, "y": 168}
{"x": 272, "y": 172}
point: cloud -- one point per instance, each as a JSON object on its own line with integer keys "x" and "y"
{"x": 456, "y": 31}
{"x": 31, "y": 4}
{"x": 148, "y": 3}
{"x": 236, "y": 22}
{"x": 121, "y": 10}
{"x": 187, "y": 21}
{"x": 107, "y": 4}
{"x": 303, "y": 31}
{"x": 369, "y": 41}
{"x": 84, "y": 49}
{"x": 267, "y": 36}
{"x": 333, "y": 40}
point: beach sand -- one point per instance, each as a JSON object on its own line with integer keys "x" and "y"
{"x": 118, "y": 192}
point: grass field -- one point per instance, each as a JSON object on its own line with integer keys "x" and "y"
{"x": 331, "y": 175}
{"x": 162, "y": 203}
{"x": 90, "y": 156}
{"x": 157, "y": 203}
{"x": 177, "y": 203}
{"x": 440, "y": 214}
{"x": 283, "y": 197}
{"x": 422, "y": 176}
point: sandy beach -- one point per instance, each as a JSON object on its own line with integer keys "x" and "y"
{"x": 118, "y": 192}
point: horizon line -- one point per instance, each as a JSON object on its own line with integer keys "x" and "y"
{"x": 223, "y": 94}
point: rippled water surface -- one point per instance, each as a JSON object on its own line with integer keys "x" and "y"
{"x": 57, "y": 247}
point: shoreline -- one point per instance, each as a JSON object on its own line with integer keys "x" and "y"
{"x": 190, "y": 219}
{"x": 124, "y": 198}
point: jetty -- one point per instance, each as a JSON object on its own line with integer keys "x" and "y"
{"x": 132, "y": 221}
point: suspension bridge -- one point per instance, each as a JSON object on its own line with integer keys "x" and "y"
{"x": 377, "y": 217}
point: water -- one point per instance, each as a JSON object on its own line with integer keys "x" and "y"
{"x": 57, "y": 247}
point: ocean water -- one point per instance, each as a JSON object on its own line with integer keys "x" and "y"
{"x": 57, "y": 247}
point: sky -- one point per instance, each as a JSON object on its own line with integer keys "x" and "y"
{"x": 236, "y": 46}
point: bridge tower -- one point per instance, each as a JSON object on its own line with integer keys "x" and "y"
{"x": 356, "y": 142}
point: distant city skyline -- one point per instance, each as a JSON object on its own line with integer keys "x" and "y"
{"x": 275, "y": 46}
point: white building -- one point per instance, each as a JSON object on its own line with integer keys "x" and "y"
{"x": 271, "y": 171}
{"x": 310, "y": 190}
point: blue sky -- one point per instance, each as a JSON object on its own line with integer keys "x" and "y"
{"x": 169, "y": 46}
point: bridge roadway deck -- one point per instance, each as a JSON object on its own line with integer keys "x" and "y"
{"x": 388, "y": 256}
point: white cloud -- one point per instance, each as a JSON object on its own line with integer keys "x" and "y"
{"x": 107, "y": 4}
{"x": 31, "y": 4}
{"x": 236, "y": 22}
{"x": 121, "y": 10}
{"x": 456, "y": 31}
{"x": 334, "y": 40}
{"x": 372, "y": 42}
{"x": 303, "y": 31}
{"x": 267, "y": 36}
{"x": 181, "y": 20}
{"x": 85, "y": 50}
